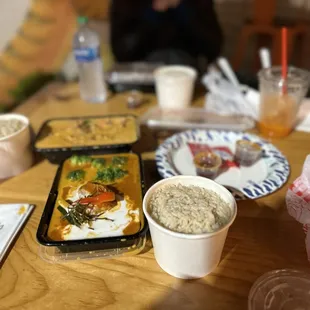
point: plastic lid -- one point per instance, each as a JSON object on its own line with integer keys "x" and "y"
{"x": 82, "y": 20}
{"x": 281, "y": 290}
{"x": 193, "y": 118}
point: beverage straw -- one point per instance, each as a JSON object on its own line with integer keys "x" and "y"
{"x": 264, "y": 55}
{"x": 284, "y": 57}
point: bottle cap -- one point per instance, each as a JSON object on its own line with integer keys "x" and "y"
{"x": 82, "y": 20}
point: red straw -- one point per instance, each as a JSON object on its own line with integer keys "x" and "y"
{"x": 284, "y": 56}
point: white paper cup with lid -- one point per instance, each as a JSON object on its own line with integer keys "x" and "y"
{"x": 188, "y": 256}
{"x": 175, "y": 86}
{"x": 15, "y": 148}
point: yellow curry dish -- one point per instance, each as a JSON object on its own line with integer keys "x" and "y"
{"x": 98, "y": 197}
{"x": 91, "y": 131}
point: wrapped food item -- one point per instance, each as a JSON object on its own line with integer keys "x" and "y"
{"x": 298, "y": 201}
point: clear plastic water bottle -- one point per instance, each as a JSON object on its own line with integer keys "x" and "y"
{"x": 86, "y": 47}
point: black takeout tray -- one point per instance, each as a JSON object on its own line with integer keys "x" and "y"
{"x": 67, "y": 246}
{"x": 58, "y": 155}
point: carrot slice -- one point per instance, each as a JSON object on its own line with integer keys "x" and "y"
{"x": 103, "y": 197}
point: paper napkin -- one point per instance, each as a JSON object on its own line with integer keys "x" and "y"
{"x": 304, "y": 116}
{"x": 12, "y": 218}
{"x": 226, "y": 99}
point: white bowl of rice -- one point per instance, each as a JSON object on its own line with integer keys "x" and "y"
{"x": 15, "y": 147}
{"x": 189, "y": 217}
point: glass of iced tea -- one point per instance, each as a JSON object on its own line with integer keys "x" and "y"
{"x": 280, "y": 100}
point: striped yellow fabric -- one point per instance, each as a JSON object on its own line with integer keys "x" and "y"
{"x": 41, "y": 44}
{"x": 95, "y": 9}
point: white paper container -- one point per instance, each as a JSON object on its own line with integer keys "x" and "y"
{"x": 175, "y": 86}
{"x": 188, "y": 256}
{"x": 15, "y": 151}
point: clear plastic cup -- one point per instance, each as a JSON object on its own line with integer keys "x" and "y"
{"x": 247, "y": 152}
{"x": 207, "y": 164}
{"x": 281, "y": 290}
{"x": 175, "y": 86}
{"x": 188, "y": 256}
{"x": 280, "y": 100}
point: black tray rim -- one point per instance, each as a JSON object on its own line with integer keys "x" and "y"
{"x": 85, "y": 148}
{"x": 41, "y": 234}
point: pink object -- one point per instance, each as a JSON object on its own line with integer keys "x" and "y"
{"x": 298, "y": 201}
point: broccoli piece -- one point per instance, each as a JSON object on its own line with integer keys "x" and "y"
{"x": 98, "y": 163}
{"x": 119, "y": 173}
{"x": 119, "y": 160}
{"x": 110, "y": 174}
{"x": 80, "y": 160}
{"x": 76, "y": 175}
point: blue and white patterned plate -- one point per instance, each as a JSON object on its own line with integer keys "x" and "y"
{"x": 268, "y": 174}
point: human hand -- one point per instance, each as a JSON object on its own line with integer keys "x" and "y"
{"x": 164, "y": 5}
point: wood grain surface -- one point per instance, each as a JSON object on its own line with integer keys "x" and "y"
{"x": 262, "y": 238}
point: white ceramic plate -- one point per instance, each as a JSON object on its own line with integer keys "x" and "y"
{"x": 174, "y": 157}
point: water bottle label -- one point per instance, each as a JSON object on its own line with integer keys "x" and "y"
{"x": 86, "y": 54}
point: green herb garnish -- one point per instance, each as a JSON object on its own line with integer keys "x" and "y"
{"x": 76, "y": 175}
{"x": 85, "y": 125}
{"x": 119, "y": 160}
{"x": 110, "y": 174}
{"x": 80, "y": 160}
{"x": 98, "y": 163}
{"x": 78, "y": 215}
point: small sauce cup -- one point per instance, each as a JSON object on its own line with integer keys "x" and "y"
{"x": 207, "y": 164}
{"x": 247, "y": 152}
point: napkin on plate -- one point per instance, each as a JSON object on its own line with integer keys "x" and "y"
{"x": 12, "y": 218}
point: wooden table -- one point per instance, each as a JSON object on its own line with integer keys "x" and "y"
{"x": 263, "y": 238}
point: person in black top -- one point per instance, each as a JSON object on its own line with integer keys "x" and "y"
{"x": 169, "y": 31}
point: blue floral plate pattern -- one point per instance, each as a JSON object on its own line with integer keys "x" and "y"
{"x": 174, "y": 157}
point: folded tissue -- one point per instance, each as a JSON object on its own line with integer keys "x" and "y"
{"x": 227, "y": 99}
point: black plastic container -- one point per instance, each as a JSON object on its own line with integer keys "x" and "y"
{"x": 115, "y": 244}
{"x": 57, "y": 155}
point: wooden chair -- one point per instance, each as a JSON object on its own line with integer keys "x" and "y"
{"x": 265, "y": 27}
